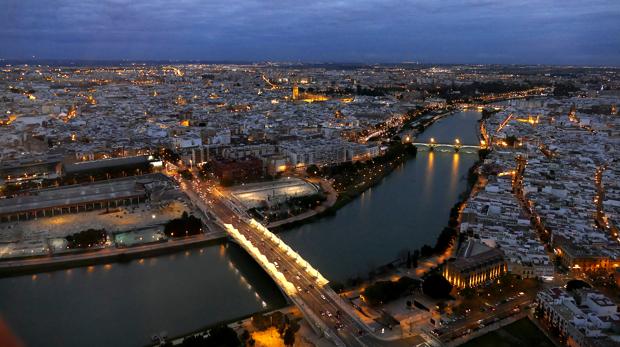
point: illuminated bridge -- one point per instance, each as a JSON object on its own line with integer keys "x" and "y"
{"x": 327, "y": 313}
{"x": 457, "y": 145}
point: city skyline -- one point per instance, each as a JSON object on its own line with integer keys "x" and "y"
{"x": 484, "y": 32}
{"x": 349, "y": 173}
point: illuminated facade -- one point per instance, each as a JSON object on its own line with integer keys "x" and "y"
{"x": 295, "y": 95}
{"x": 590, "y": 258}
{"x": 474, "y": 265}
{"x": 306, "y": 97}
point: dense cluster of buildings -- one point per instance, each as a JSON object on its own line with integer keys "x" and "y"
{"x": 552, "y": 178}
{"x": 203, "y": 112}
{"x": 495, "y": 217}
{"x": 287, "y": 116}
{"x": 551, "y": 190}
{"x": 583, "y": 319}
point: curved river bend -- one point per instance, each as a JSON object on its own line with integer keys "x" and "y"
{"x": 124, "y": 304}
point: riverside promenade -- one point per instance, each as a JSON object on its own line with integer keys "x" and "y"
{"x": 105, "y": 255}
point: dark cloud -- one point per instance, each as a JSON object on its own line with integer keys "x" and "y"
{"x": 474, "y": 31}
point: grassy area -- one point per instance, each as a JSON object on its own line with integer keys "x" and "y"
{"x": 520, "y": 333}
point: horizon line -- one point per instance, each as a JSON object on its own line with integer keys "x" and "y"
{"x": 21, "y": 61}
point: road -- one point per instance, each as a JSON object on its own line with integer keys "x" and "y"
{"x": 601, "y": 219}
{"x": 477, "y": 320}
{"x": 323, "y": 308}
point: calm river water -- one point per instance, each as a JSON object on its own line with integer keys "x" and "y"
{"x": 124, "y": 304}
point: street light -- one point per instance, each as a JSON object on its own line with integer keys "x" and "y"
{"x": 432, "y": 140}
{"x": 457, "y": 141}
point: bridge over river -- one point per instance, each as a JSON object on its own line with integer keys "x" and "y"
{"x": 457, "y": 145}
{"x": 328, "y": 314}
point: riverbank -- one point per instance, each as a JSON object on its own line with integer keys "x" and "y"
{"x": 184, "y": 291}
{"x": 351, "y": 194}
{"x": 427, "y": 258}
{"x": 103, "y": 256}
{"x": 374, "y": 171}
{"x": 37, "y": 264}
{"x": 334, "y": 202}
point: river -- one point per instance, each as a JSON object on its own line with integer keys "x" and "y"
{"x": 405, "y": 211}
{"x": 124, "y": 304}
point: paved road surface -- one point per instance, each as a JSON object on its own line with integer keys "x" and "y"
{"x": 325, "y": 307}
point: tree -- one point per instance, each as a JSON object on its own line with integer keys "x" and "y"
{"x": 483, "y": 152}
{"x": 576, "y": 284}
{"x": 187, "y": 175}
{"x": 278, "y": 321}
{"x": 260, "y": 322}
{"x": 445, "y": 239}
{"x": 87, "y": 238}
{"x": 436, "y": 286}
{"x": 511, "y": 140}
{"x": 206, "y": 169}
{"x": 245, "y": 335}
{"x": 381, "y": 292}
{"x": 294, "y": 325}
{"x": 468, "y": 293}
{"x": 169, "y": 155}
{"x": 184, "y": 226}
{"x": 313, "y": 170}
{"x": 289, "y": 337}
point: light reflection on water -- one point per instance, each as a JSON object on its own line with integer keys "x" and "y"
{"x": 136, "y": 299}
{"x": 454, "y": 174}
{"x": 185, "y": 291}
{"x": 407, "y": 210}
